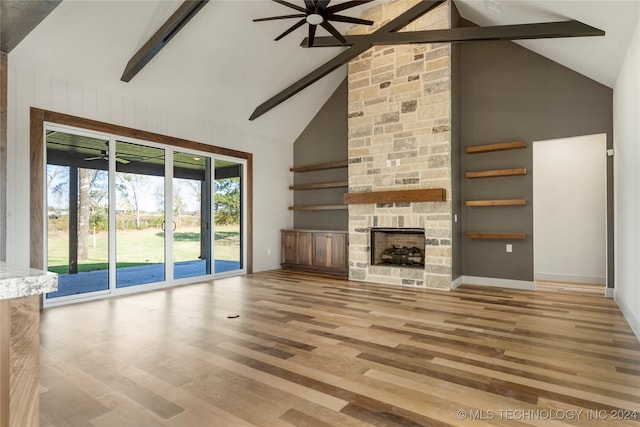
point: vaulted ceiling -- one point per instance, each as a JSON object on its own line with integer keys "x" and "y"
{"x": 222, "y": 65}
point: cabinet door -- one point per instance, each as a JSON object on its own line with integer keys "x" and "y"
{"x": 330, "y": 249}
{"x": 304, "y": 248}
{"x": 322, "y": 249}
{"x": 338, "y": 245}
{"x": 289, "y": 247}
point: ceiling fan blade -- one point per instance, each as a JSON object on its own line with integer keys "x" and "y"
{"x": 312, "y": 34}
{"x": 346, "y": 5}
{"x": 322, "y": 4}
{"x": 327, "y": 26}
{"x": 349, "y": 19}
{"x": 311, "y": 5}
{"x": 123, "y": 161}
{"x": 273, "y": 18}
{"x": 295, "y": 26}
{"x": 291, "y": 5}
{"x": 93, "y": 158}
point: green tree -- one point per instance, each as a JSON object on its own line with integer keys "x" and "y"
{"x": 227, "y": 201}
{"x": 98, "y": 194}
{"x": 58, "y": 184}
{"x": 178, "y": 205}
{"x": 130, "y": 187}
{"x": 84, "y": 212}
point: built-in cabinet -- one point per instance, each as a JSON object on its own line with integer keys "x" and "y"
{"x": 322, "y": 251}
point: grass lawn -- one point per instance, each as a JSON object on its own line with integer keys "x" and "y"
{"x": 140, "y": 247}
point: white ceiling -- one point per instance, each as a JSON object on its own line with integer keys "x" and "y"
{"x": 598, "y": 58}
{"x": 222, "y": 65}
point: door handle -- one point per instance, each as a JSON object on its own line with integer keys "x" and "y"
{"x": 164, "y": 226}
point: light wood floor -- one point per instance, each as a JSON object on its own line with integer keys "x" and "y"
{"x": 313, "y": 351}
{"x": 570, "y": 287}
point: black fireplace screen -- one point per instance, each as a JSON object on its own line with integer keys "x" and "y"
{"x": 402, "y": 247}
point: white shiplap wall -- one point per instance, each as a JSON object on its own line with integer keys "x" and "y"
{"x": 271, "y": 158}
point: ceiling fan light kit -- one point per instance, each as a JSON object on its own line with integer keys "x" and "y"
{"x": 314, "y": 19}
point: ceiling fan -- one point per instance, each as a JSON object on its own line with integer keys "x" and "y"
{"x": 318, "y": 12}
{"x": 105, "y": 156}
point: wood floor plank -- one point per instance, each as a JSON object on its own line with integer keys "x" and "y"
{"x": 310, "y": 350}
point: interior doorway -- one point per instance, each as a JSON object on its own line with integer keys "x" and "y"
{"x": 569, "y": 214}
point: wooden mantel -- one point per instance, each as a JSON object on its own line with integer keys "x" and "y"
{"x": 397, "y": 196}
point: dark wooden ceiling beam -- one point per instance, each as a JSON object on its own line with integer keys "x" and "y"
{"x": 18, "y": 18}
{"x": 389, "y": 34}
{"x": 410, "y": 15}
{"x": 167, "y": 31}
{"x": 469, "y": 34}
{"x": 311, "y": 78}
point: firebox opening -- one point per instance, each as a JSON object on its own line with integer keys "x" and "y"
{"x": 398, "y": 247}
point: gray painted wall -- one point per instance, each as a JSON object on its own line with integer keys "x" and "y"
{"x": 456, "y": 153}
{"x": 510, "y": 93}
{"x": 3, "y": 155}
{"x": 323, "y": 140}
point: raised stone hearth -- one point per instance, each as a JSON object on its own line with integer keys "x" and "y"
{"x": 400, "y": 139}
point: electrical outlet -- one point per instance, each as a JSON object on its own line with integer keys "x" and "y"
{"x": 509, "y": 247}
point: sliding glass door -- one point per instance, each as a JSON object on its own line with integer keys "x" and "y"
{"x": 192, "y": 255}
{"x": 228, "y": 214}
{"x": 77, "y": 212}
{"x": 139, "y": 214}
{"x": 128, "y": 215}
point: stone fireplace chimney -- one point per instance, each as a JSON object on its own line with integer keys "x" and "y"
{"x": 400, "y": 139}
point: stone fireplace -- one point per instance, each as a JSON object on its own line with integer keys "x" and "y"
{"x": 400, "y": 139}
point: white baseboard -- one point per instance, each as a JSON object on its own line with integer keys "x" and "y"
{"x": 457, "y": 282}
{"x": 608, "y": 292}
{"x": 575, "y": 278}
{"x": 499, "y": 283}
{"x": 633, "y": 321}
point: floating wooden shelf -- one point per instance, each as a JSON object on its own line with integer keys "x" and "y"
{"x": 317, "y": 207}
{"x": 501, "y": 146}
{"x": 502, "y": 202}
{"x": 398, "y": 196}
{"x": 321, "y": 166}
{"x": 501, "y": 236}
{"x": 498, "y": 172}
{"x": 319, "y": 185}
